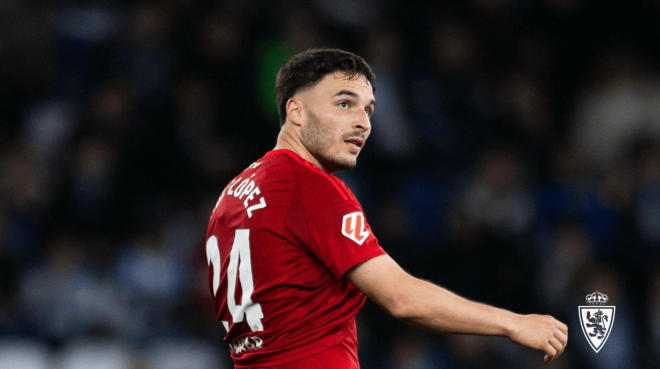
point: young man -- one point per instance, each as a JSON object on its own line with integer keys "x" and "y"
{"x": 291, "y": 255}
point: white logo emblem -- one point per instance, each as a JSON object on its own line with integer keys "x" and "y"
{"x": 353, "y": 227}
{"x": 596, "y": 320}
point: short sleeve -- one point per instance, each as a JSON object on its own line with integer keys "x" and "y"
{"x": 341, "y": 237}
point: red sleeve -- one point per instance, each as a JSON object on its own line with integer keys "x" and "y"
{"x": 341, "y": 237}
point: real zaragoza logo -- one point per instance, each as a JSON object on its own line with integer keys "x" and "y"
{"x": 596, "y": 320}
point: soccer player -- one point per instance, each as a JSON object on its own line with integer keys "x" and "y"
{"x": 291, "y": 255}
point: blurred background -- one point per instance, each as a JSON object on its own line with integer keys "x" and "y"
{"x": 515, "y": 159}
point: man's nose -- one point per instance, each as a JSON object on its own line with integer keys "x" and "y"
{"x": 363, "y": 122}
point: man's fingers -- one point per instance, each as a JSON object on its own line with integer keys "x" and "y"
{"x": 550, "y": 351}
{"x": 557, "y": 346}
{"x": 561, "y": 326}
{"x": 563, "y": 342}
{"x": 562, "y": 337}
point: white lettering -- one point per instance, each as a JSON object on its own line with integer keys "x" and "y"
{"x": 250, "y": 197}
{"x": 229, "y": 192}
{"x": 254, "y": 165}
{"x": 240, "y": 187}
{"x": 260, "y": 205}
{"x": 246, "y": 190}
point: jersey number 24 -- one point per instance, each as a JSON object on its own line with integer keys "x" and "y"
{"x": 240, "y": 250}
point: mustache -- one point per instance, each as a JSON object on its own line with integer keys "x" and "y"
{"x": 357, "y": 134}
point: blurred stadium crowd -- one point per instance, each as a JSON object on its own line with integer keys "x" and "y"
{"x": 515, "y": 159}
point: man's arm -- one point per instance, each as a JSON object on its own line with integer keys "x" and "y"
{"x": 428, "y": 306}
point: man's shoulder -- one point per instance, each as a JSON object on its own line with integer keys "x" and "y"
{"x": 315, "y": 185}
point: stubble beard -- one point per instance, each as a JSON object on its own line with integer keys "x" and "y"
{"x": 319, "y": 142}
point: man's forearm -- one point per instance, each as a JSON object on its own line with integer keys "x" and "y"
{"x": 435, "y": 308}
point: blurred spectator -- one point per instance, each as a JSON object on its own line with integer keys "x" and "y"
{"x": 93, "y": 177}
{"x": 568, "y": 260}
{"x": 97, "y": 353}
{"x": 454, "y": 47}
{"x": 619, "y": 106}
{"x": 489, "y": 229}
{"x": 152, "y": 281}
{"x": 473, "y": 352}
{"x": 26, "y": 193}
{"x": 147, "y": 59}
{"x": 48, "y": 127}
{"x": 222, "y": 36}
{"x": 197, "y": 109}
{"x": 497, "y": 200}
{"x": 647, "y": 201}
{"x": 62, "y": 298}
{"x": 175, "y": 353}
{"x": 82, "y": 33}
{"x": 415, "y": 350}
{"x": 457, "y": 58}
{"x": 526, "y": 105}
{"x": 572, "y": 191}
{"x": 385, "y": 50}
{"x": 25, "y": 183}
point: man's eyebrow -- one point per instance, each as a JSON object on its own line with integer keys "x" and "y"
{"x": 346, "y": 92}
{"x": 352, "y": 94}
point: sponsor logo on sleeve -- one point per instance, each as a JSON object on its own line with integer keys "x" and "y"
{"x": 354, "y": 227}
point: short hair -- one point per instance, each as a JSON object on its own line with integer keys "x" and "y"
{"x": 310, "y": 66}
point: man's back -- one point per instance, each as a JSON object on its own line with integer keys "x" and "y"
{"x": 285, "y": 233}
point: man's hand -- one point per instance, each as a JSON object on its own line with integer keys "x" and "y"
{"x": 540, "y": 332}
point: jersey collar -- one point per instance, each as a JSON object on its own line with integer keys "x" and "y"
{"x": 296, "y": 157}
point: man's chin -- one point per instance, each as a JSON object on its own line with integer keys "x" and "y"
{"x": 336, "y": 164}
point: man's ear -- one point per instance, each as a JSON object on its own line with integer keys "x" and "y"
{"x": 294, "y": 112}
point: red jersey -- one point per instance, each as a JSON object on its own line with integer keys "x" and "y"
{"x": 280, "y": 238}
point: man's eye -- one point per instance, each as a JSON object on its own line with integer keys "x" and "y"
{"x": 368, "y": 111}
{"x": 343, "y": 104}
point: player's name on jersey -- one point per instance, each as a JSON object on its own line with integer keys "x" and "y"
{"x": 246, "y": 188}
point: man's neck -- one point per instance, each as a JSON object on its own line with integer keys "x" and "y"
{"x": 288, "y": 139}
